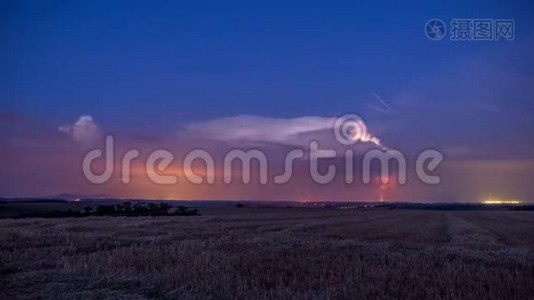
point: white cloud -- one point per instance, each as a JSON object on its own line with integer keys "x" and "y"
{"x": 84, "y": 131}
{"x": 258, "y": 129}
{"x": 249, "y": 128}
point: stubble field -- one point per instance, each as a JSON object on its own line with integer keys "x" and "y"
{"x": 248, "y": 253}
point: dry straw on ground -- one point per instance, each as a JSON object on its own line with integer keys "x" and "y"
{"x": 271, "y": 253}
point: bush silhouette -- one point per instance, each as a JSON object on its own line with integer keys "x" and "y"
{"x": 121, "y": 209}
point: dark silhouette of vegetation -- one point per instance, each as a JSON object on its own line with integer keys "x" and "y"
{"x": 126, "y": 209}
{"x": 239, "y": 205}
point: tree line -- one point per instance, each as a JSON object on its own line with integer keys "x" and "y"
{"x": 127, "y": 209}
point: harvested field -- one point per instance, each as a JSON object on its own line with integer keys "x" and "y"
{"x": 272, "y": 253}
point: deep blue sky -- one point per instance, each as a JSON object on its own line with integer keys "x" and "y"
{"x": 148, "y": 68}
{"x": 127, "y": 63}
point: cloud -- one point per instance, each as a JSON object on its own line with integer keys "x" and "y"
{"x": 256, "y": 128}
{"x": 250, "y": 128}
{"x": 84, "y": 131}
{"x": 382, "y": 107}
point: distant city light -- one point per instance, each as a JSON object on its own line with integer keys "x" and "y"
{"x": 501, "y": 201}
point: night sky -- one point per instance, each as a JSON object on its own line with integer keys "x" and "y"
{"x": 220, "y": 75}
